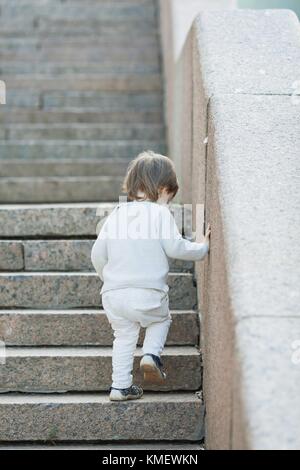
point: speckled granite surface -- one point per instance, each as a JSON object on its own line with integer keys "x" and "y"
{"x": 81, "y": 327}
{"x": 89, "y": 369}
{"x": 169, "y": 417}
{"x": 76, "y": 290}
{"x": 57, "y": 255}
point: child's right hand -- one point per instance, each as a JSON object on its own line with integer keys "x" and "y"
{"x": 207, "y": 234}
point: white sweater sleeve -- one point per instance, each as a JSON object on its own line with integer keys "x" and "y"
{"x": 174, "y": 245}
{"x": 99, "y": 254}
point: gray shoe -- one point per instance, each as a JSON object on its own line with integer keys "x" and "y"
{"x": 122, "y": 394}
{"x": 151, "y": 366}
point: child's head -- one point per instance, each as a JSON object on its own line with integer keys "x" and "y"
{"x": 151, "y": 174}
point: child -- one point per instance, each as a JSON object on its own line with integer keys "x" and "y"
{"x": 131, "y": 257}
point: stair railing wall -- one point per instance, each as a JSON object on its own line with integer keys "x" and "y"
{"x": 232, "y": 97}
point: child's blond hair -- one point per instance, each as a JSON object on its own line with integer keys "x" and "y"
{"x": 149, "y": 173}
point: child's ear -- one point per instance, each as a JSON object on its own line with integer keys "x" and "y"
{"x": 172, "y": 195}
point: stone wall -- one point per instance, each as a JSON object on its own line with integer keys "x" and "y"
{"x": 177, "y": 17}
{"x": 243, "y": 99}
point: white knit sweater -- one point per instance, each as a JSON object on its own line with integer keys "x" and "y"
{"x": 134, "y": 244}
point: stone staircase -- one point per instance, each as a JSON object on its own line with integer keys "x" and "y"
{"x": 84, "y": 96}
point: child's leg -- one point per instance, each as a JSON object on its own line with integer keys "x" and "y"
{"x": 126, "y": 337}
{"x": 126, "y": 332}
{"x": 155, "y": 337}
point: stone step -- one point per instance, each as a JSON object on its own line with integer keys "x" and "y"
{"x": 92, "y": 417}
{"x": 88, "y": 369}
{"x": 90, "y": 26}
{"x": 51, "y": 52}
{"x": 104, "y": 100}
{"x": 53, "y": 12}
{"x": 77, "y": 149}
{"x": 60, "y": 189}
{"x": 36, "y": 44}
{"x": 109, "y": 35}
{"x": 57, "y": 255}
{"x": 82, "y": 328}
{"x": 95, "y": 20}
{"x": 85, "y": 82}
{"x": 52, "y": 290}
{"x": 37, "y": 3}
{"x": 86, "y": 54}
{"x": 95, "y": 67}
{"x": 128, "y": 76}
{"x": 78, "y": 115}
{"x": 146, "y": 446}
{"x": 50, "y": 167}
{"x": 55, "y": 9}
{"x": 83, "y": 132}
{"x": 59, "y": 220}
{"x": 17, "y": 98}
{"x": 41, "y": 27}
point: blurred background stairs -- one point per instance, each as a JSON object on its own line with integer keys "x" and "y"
{"x": 84, "y": 97}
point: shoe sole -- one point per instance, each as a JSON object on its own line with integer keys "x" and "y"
{"x": 130, "y": 397}
{"x": 152, "y": 374}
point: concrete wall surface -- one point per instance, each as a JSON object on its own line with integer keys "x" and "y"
{"x": 252, "y": 325}
{"x": 177, "y": 17}
{"x": 243, "y": 160}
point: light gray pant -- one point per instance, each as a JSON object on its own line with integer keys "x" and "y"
{"x": 127, "y": 311}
